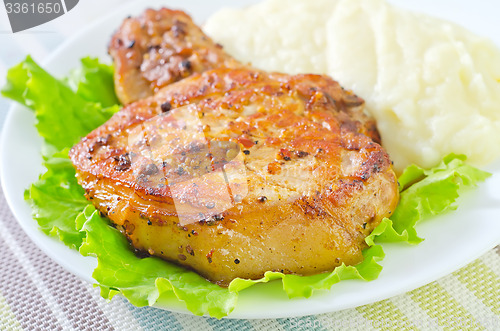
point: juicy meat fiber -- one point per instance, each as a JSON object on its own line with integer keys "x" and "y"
{"x": 233, "y": 172}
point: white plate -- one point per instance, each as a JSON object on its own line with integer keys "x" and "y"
{"x": 451, "y": 242}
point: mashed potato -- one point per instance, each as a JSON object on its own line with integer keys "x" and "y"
{"x": 433, "y": 87}
{"x": 276, "y": 35}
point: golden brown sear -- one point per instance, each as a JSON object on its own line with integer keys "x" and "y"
{"x": 158, "y": 48}
{"x": 233, "y": 172}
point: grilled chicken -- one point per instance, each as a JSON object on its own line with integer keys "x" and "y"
{"x": 233, "y": 172}
{"x": 158, "y": 48}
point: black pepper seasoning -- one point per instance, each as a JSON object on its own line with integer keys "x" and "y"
{"x": 186, "y": 65}
{"x": 189, "y": 250}
{"x": 301, "y": 154}
{"x": 262, "y": 198}
{"x": 165, "y": 107}
{"x": 123, "y": 161}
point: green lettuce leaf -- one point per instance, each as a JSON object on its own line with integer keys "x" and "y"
{"x": 56, "y": 200}
{"x": 142, "y": 281}
{"x": 425, "y": 193}
{"x": 63, "y": 116}
{"x": 304, "y": 286}
{"x": 93, "y": 81}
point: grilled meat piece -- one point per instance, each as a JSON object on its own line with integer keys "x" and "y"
{"x": 158, "y": 48}
{"x": 234, "y": 172}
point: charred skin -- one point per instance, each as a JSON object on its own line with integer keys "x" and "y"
{"x": 158, "y": 48}
{"x": 317, "y": 184}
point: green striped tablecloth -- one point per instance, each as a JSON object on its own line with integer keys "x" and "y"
{"x": 36, "y": 293}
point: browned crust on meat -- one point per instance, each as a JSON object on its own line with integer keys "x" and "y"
{"x": 318, "y": 97}
{"x": 158, "y": 48}
{"x": 300, "y": 118}
{"x": 229, "y": 170}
